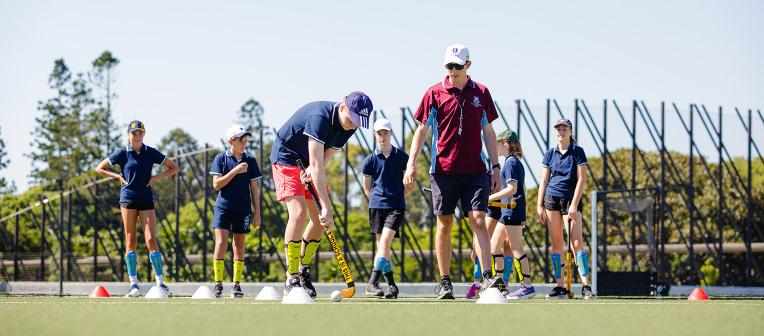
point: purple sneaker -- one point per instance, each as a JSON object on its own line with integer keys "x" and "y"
{"x": 472, "y": 293}
{"x": 524, "y": 292}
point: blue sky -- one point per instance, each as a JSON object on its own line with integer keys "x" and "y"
{"x": 192, "y": 64}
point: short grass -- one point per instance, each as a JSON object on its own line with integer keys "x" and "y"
{"x": 20, "y": 315}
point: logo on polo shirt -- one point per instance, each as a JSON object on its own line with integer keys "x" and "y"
{"x": 476, "y": 101}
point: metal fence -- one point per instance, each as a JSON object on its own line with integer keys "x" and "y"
{"x": 39, "y": 242}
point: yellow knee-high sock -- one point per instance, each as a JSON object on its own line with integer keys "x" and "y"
{"x": 238, "y": 270}
{"x": 218, "y": 267}
{"x": 310, "y": 250}
{"x": 293, "y": 256}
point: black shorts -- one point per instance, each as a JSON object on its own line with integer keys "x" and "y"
{"x": 140, "y": 206}
{"x": 494, "y": 212}
{"x": 561, "y": 204}
{"x": 386, "y": 218}
{"x": 449, "y": 189}
{"x": 510, "y": 222}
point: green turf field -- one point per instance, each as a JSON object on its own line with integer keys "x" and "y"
{"x": 362, "y": 316}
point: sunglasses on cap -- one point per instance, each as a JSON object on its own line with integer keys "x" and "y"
{"x": 450, "y": 66}
{"x": 136, "y": 132}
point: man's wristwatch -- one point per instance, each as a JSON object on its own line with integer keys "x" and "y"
{"x": 495, "y": 166}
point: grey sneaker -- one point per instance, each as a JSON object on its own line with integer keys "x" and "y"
{"x": 445, "y": 290}
{"x": 372, "y": 288}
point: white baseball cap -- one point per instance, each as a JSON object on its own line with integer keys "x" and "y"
{"x": 383, "y": 124}
{"x": 456, "y": 53}
{"x": 236, "y": 131}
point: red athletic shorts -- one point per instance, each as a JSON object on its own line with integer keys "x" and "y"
{"x": 288, "y": 183}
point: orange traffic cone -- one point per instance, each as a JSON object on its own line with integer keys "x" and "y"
{"x": 698, "y": 294}
{"x": 99, "y": 292}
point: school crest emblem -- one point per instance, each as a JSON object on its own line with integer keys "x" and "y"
{"x": 476, "y": 101}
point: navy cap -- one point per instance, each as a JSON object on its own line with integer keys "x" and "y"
{"x": 136, "y": 125}
{"x": 360, "y": 107}
{"x": 565, "y": 122}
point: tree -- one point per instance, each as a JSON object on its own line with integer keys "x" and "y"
{"x": 176, "y": 141}
{"x": 103, "y": 77}
{"x": 250, "y": 116}
{"x": 4, "y": 162}
{"x": 61, "y": 145}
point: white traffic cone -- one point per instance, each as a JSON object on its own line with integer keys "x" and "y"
{"x": 268, "y": 293}
{"x": 491, "y": 296}
{"x": 156, "y": 293}
{"x": 203, "y": 292}
{"x": 297, "y": 295}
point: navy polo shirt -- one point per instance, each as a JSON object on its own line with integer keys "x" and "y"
{"x": 319, "y": 121}
{"x": 387, "y": 173}
{"x": 513, "y": 170}
{"x": 563, "y": 170}
{"x": 136, "y": 170}
{"x": 236, "y": 194}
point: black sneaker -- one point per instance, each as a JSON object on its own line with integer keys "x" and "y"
{"x": 558, "y": 293}
{"x": 236, "y": 291}
{"x": 392, "y": 292}
{"x": 586, "y": 292}
{"x": 291, "y": 282}
{"x": 445, "y": 290}
{"x": 372, "y": 288}
{"x": 218, "y": 289}
{"x": 305, "y": 282}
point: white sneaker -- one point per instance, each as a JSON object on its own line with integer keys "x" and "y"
{"x": 165, "y": 290}
{"x": 134, "y": 291}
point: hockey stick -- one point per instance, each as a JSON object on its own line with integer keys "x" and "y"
{"x": 569, "y": 264}
{"x": 346, "y": 292}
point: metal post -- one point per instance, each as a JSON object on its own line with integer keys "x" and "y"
{"x": 95, "y": 229}
{"x": 177, "y": 219}
{"x": 633, "y": 184}
{"x": 691, "y": 198}
{"x": 662, "y": 192}
{"x": 16, "y": 247}
{"x": 42, "y": 240}
{"x": 60, "y": 239}
{"x": 69, "y": 234}
{"x": 604, "y": 185}
{"x": 719, "y": 213}
{"x": 749, "y": 212}
{"x": 594, "y": 241}
{"x": 546, "y": 227}
{"x": 205, "y": 205}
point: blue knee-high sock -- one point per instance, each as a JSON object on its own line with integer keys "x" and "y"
{"x": 388, "y": 266}
{"x": 508, "y": 263}
{"x": 583, "y": 263}
{"x": 478, "y": 273}
{"x": 381, "y": 264}
{"x": 556, "y": 265}
{"x": 156, "y": 262}
{"x": 131, "y": 259}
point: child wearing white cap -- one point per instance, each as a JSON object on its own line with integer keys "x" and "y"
{"x": 235, "y": 175}
{"x": 383, "y": 184}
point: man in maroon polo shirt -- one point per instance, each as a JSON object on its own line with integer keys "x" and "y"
{"x": 457, "y": 109}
